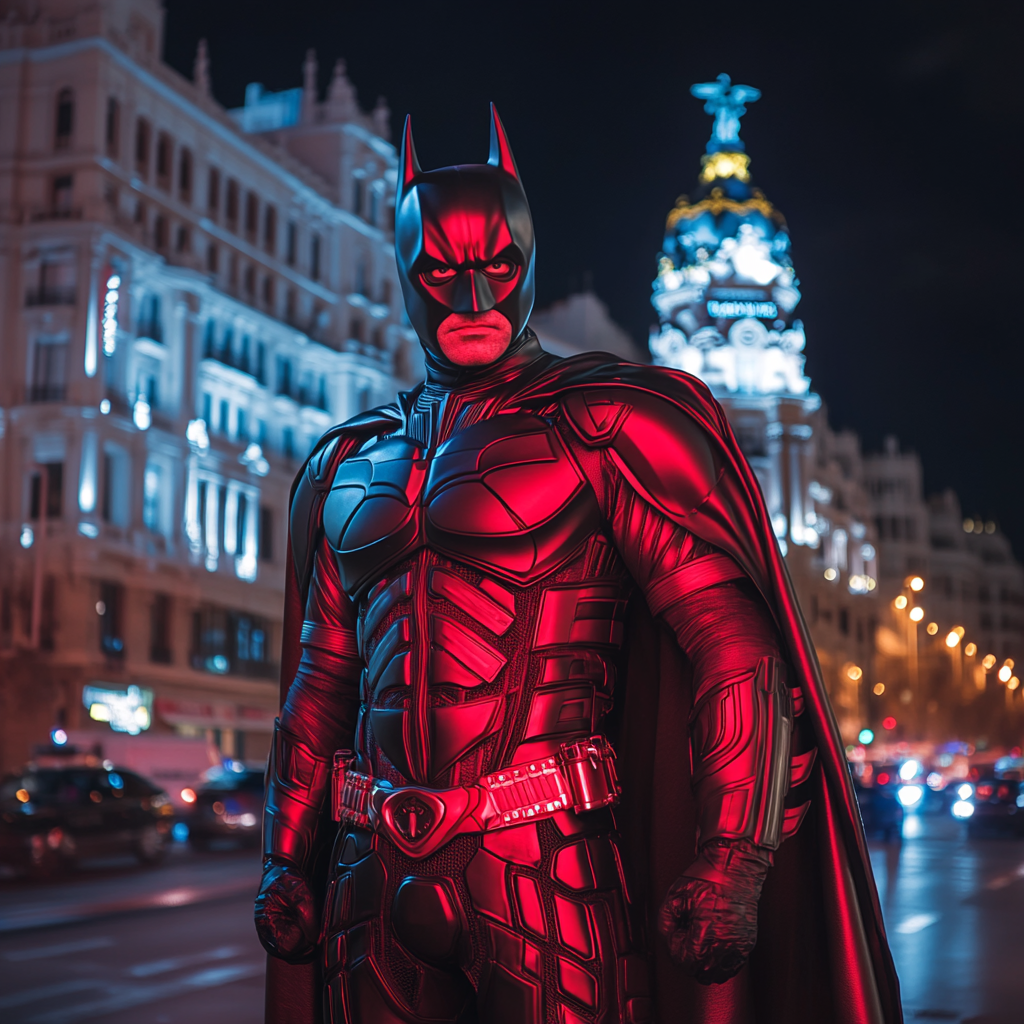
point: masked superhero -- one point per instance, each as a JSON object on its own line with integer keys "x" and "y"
{"x": 529, "y": 584}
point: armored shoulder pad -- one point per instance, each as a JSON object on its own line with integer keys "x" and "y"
{"x": 661, "y": 449}
{"x": 315, "y": 477}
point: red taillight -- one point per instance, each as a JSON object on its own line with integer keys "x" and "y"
{"x": 1004, "y": 792}
{"x": 883, "y": 778}
{"x": 188, "y": 795}
{"x": 983, "y": 792}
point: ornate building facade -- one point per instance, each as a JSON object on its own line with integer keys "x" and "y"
{"x": 190, "y": 296}
{"x": 916, "y": 612}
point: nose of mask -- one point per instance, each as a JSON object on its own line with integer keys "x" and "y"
{"x": 472, "y": 293}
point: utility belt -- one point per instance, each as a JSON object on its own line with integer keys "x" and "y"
{"x": 580, "y": 777}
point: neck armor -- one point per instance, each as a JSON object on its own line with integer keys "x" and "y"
{"x": 464, "y": 218}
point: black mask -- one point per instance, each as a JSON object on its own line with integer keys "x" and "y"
{"x": 464, "y": 244}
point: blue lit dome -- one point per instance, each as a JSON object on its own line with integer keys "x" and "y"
{"x": 726, "y": 289}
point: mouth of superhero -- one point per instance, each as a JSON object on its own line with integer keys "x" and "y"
{"x": 474, "y": 339}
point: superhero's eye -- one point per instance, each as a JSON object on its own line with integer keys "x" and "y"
{"x": 500, "y": 268}
{"x": 438, "y": 275}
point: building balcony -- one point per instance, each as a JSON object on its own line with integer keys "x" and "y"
{"x": 50, "y": 295}
{"x": 151, "y": 329}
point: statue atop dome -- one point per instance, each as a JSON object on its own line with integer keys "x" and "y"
{"x": 726, "y": 103}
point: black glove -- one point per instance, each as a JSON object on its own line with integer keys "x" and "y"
{"x": 287, "y": 919}
{"x": 709, "y": 917}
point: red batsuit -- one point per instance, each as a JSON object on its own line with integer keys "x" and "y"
{"x": 491, "y": 579}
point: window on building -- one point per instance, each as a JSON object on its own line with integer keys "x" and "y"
{"x": 207, "y": 408}
{"x": 142, "y": 143}
{"x": 211, "y": 258}
{"x": 49, "y": 366}
{"x": 291, "y": 301}
{"x": 358, "y": 191}
{"x": 164, "y": 161}
{"x": 65, "y": 118}
{"x": 54, "y": 474}
{"x": 288, "y": 442}
{"x": 224, "y": 417}
{"x": 152, "y": 489}
{"x": 185, "y": 176}
{"x": 374, "y": 206}
{"x": 110, "y": 609}
{"x": 249, "y": 281}
{"x": 229, "y": 641}
{"x": 242, "y": 433}
{"x": 261, "y": 363}
{"x": 284, "y": 376}
{"x": 356, "y": 330}
{"x": 266, "y": 539}
{"x": 385, "y": 292}
{"x": 232, "y": 271}
{"x": 293, "y": 243}
{"x": 57, "y": 279}
{"x": 150, "y": 323}
{"x": 361, "y": 277}
{"x": 268, "y": 292}
{"x": 231, "y": 205}
{"x": 270, "y": 229}
{"x": 252, "y": 216}
{"x": 115, "y": 495}
{"x": 314, "y": 257}
{"x": 113, "y": 128}
{"x": 213, "y": 192}
{"x": 378, "y": 338}
{"x": 160, "y": 629}
{"x": 62, "y": 195}
{"x": 183, "y": 239}
{"x": 160, "y": 233}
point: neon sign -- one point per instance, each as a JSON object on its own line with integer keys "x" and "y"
{"x": 129, "y": 711}
{"x": 110, "y": 302}
{"x": 734, "y": 308}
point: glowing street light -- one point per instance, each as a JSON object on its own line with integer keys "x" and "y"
{"x": 1005, "y": 673}
{"x": 952, "y": 639}
{"x": 916, "y": 584}
{"x": 900, "y": 602}
{"x": 971, "y": 650}
{"x": 932, "y": 628}
{"x": 1013, "y": 683}
{"x": 988, "y": 661}
{"x": 879, "y": 689}
{"x": 916, "y": 614}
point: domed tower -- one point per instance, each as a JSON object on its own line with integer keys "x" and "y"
{"x": 726, "y": 294}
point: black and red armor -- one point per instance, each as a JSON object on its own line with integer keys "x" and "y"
{"x": 469, "y": 558}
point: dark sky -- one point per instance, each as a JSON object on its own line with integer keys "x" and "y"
{"x": 891, "y": 140}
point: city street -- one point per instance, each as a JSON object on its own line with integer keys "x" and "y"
{"x": 129, "y": 946}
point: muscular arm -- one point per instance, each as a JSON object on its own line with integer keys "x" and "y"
{"x": 318, "y": 718}
{"x": 740, "y": 720}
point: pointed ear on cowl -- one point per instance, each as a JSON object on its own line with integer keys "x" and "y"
{"x": 501, "y": 152}
{"x": 408, "y": 165}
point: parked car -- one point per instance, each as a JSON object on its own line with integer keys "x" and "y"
{"x": 998, "y": 805}
{"x": 228, "y": 804}
{"x": 54, "y": 817}
{"x": 880, "y": 808}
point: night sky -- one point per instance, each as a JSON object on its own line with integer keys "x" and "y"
{"x": 891, "y": 141}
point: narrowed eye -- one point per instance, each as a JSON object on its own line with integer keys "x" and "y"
{"x": 438, "y": 275}
{"x": 500, "y": 268}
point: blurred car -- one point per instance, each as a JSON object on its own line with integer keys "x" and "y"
{"x": 998, "y": 802}
{"x": 52, "y": 817}
{"x": 228, "y": 804}
{"x": 880, "y": 808}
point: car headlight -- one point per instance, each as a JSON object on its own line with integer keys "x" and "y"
{"x": 963, "y": 809}
{"x": 909, "y": 796}
{"x": 965, "y": 791}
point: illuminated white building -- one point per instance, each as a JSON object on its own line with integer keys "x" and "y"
{"x": 726, "y": 295}
{"x": 190, "y": 297}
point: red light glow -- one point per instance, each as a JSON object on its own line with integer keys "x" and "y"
{"x": 889, "y": 723}
{"x": 883, "y": 778}
{"x": 188, "y": 795}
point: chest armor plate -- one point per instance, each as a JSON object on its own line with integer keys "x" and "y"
{"x": 502, "y": 495}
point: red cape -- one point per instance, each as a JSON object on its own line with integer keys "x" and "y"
{"x": 822, "y": 955}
